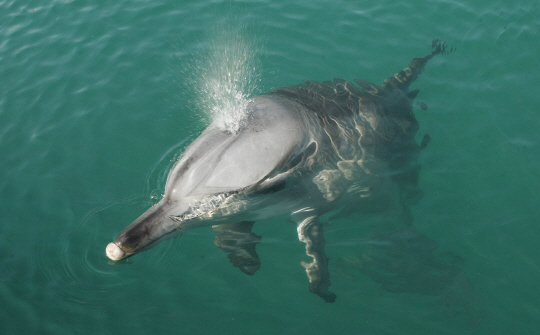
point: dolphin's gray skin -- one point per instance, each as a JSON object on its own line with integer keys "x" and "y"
{"x": 304, "y": 151}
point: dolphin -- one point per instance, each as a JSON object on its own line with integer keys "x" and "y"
{"x": 303, "y": 151}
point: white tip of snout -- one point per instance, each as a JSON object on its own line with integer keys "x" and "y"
{"x": 114, "y": 252}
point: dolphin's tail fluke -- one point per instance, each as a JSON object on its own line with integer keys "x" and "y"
{"x": 403, "y": 79}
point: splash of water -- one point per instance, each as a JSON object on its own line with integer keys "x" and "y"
{"x": 228, "y": 76}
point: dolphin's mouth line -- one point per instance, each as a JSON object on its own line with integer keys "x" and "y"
{"x": 116, "y": 253}
{"x": 207, "y": 207}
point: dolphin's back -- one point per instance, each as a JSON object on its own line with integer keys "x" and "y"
{"x": 349, "y": 114}
{"x": 373, "y": 126}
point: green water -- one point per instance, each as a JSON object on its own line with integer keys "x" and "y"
{"x": 97, "y": 100}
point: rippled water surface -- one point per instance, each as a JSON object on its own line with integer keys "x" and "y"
{"x": 98, "y": 99}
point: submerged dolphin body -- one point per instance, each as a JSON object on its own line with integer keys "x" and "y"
{"x": 304, "y": 151}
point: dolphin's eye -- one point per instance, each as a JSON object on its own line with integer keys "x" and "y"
{"x": 311, "y": 149}
{"x": 272, "y": 188}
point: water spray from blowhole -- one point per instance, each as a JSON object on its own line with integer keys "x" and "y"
{"x": 229, "y": 74}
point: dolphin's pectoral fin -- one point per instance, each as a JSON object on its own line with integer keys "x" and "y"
{"x": 310, "y": 232}
{"x": 237, "y": 240}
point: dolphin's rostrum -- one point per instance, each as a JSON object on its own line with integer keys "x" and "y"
{"x": 304, "y": 151}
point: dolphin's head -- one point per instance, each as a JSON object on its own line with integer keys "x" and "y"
{"x": 218, "y": 169}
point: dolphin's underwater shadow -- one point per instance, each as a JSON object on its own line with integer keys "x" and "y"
{"x": 407, "y": 261}
{"x": 305, "y": 151}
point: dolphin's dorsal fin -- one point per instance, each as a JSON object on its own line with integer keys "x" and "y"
{"x": 403, "y": 79}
